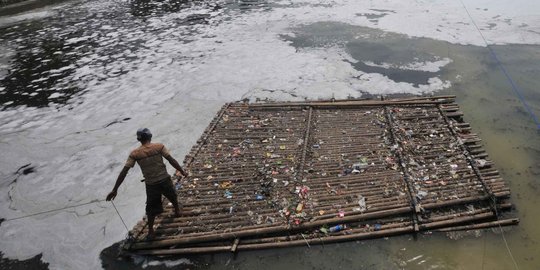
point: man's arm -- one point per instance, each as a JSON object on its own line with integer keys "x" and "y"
{"x": 119, "y": 181}
{"x": 176, "y": 165}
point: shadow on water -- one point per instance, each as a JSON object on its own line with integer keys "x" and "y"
{"x": 37, "y": 72}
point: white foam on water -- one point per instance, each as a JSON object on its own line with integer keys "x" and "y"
{"x": 500, "y": 22}
{"x": 167, "y": 263}
{"x": 429, "y": 66}
{"x": 175, "y": 88}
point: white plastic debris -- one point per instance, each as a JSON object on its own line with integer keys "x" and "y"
{"x": 362, "y": 203}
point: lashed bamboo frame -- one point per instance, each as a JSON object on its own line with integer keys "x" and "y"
{"x": 190, "y": 234}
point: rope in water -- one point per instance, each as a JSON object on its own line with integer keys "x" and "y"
{"x": 515, "y": 87}
{"x": 516, "y": 90}
{"x": 120, "y": 216}
{"x": 68, "y": 207}
{"x": 504, "y": 239}
{"x": 54, "y": 210}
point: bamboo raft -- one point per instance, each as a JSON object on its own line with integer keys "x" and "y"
{"x": 285, "y": 174}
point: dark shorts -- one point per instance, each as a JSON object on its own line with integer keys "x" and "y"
{"x": 154, "y": 205}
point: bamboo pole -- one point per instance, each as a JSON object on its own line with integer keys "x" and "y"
{"x": 448, "y": 223}
{"x": 275, "y": 229}
{"x": 406, "y": 176}
{"x": 174, "y": 222}
{"x": 300, "y": 171}
{"x": 503, "y": 222}
{"x": 384, "y": 226}
{"x": 349, "y": 212}
{"x": 367, "y": 103}
{"x": 332, "y": 239}
{"x": 307, "y": 103}
{"x": 313, "y": 241}
{"x": 323, "y": 217}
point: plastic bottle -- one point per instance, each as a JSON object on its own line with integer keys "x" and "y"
{"x": 337, "y": 228}
{"x": 299, "y": 207}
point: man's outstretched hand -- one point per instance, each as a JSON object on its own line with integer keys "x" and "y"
{"x": 180, "y": 174}
{"x": 111, "y": 195}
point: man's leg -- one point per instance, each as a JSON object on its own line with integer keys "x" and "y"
{"x": 174, "y": 201}
{"x": 170, "y": 193}
{"x": 151, "y": 219}
{"x": 153, "y": 206}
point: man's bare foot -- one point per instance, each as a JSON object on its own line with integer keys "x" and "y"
{"x": 177, "y": 211}
{"x": 173, "y": 215}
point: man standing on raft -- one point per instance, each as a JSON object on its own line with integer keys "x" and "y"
{"x": 150, "y": 156}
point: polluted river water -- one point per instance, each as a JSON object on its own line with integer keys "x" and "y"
{"x": 79, "y": 77}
